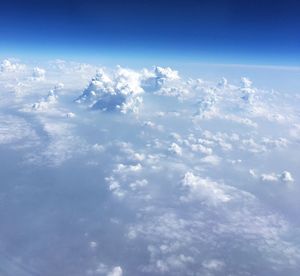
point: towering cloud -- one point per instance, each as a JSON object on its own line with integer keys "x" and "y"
{"x": 121, "y": 91}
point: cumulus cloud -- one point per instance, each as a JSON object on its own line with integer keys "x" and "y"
{"x": 122, "y": 90}
{"x": 285, "y": 176}
{"x": 38, "y": 74}
{"x": 119, "y": 92}
{"x": 46, "y": 102}
{"x": 175, "y": 149}
{"x": 155, "y": 80}
{"x": 201, "y": 148}
{"x": 11, "y": 66}
{"x": 203, "y": 189}
{"x": 269, "y": 177}
{"x": 116, "y": 271}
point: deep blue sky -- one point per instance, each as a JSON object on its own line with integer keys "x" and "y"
{"x": 224, "y": 31}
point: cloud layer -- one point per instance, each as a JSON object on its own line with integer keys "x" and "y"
{"x": 145, "y": 172}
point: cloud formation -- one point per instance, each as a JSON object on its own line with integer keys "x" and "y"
{"x": 201, "y": 180}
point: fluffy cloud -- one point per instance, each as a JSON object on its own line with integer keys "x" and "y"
{"x": 116, "y": 271}
{"x": 120, "y": 92}
{"x": 47, "y": 102}
{"x": 285, "y": 176}
{"x": 155, "y": 80}
{"x": 174, "y": 148}
{"x": 38, "y": 74}
{"x": 10, "y": 66}
{"x": 203, "y": 189}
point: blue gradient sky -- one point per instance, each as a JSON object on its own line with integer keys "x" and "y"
{"x": 224, "y": 31}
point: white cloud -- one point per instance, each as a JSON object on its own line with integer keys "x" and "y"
{"x": 169, "y": 213}
{"x": 119, "y": 92}
{"x": 223, "y": 83}
{"x": 121, "y": 168}
{"x": 203, "y": 189}
{"x": 286, "y": 176}
{"x": 155, "y": 80}
{"x": 116, "y": 271}
{"x": 15, "y": 129}
{"x": 175, "y": 149}
{"x": 138, "y": 184}
{"x": 103, "y": 269}
{"x": 202, "y": 149}
{"x": 11, "y": 66}
{"x": 47, "y": 102}
{"x": 214, "y": 265}
{"x": 114, "y": 186}
{"x": 246, "y": 83}
{"x": 269, "y": 177}
{"x": 98, "y": 148}
{"x": 70, "y": 115}
{"x": 295, "y": 131}
{"x": 166, "y": 73}
{"x": 213, "y": 160}
{"x": 38, "y": 74}
{"x": 93, "y": 244}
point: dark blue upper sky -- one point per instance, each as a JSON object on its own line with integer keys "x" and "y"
{"x": 236, "y": 31}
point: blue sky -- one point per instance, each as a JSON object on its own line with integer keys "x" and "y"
{"x": 224, "y": 31}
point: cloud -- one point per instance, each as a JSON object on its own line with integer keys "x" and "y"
{"x": 269, "y": 177}
{"x": 120, "y": 92}
{"x": 138, "y": 184}
{"x": 122, "y": 89}
{"x": 155, "y": 80}
{"x": 175, "y": 149}
{"x": 213, "y": 160}
{"x": 47, "y": 102}
{"x": 116, "y": 271}
{"x": 15, "y": 130}
{"x": 213, "y": 265}
{"x": 203, "y": 189}
{"x": 207, "y": 104}
{"x": 164, "y": 74}
{"x": 202, "y": 149}
{"x": 285, "y": 177}
{"x": 121, "y": 168}
{"x": 153, "y": 185}
{"x": 38, "y": 74}
{"x": 70, "y": 115}
{"x": 11, "y": 66}
{"x": 223, "y": 83}
{"x": 104, "y": 270}
{"x": 295, "y": 132}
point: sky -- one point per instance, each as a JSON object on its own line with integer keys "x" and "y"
{"x": 149, "y": 138}
{"x": 224, "y": 31}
